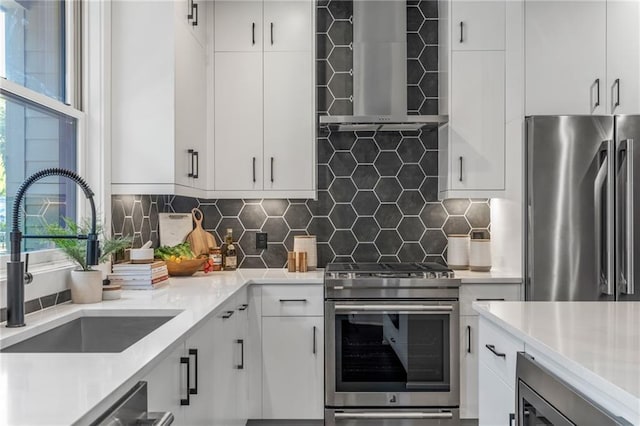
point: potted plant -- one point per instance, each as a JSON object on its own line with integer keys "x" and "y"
{"x": 85, "y": 282}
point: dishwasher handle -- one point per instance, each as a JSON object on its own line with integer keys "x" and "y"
{"x": 160, "y": 419}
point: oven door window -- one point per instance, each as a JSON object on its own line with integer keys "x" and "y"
{"x": 392, "y": 352}
{"x": 536, "y": 411}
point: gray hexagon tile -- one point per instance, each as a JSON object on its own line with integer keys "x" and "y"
{"x": 365, "y": 203}
{"x": 365, "y": 229}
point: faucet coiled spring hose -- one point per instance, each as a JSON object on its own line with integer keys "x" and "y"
{"x": 54, "y": 171}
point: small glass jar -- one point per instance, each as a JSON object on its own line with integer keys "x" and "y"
{"x": 216, "y": 255}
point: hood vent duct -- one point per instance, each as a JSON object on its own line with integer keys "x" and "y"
{"x": 380, "y": 71}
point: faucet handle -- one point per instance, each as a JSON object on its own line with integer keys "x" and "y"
{"x": 28, "y": 276}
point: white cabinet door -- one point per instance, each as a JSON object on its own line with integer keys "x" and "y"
{"x": 565, "y": 57}
{"x": 468, "y": 367}
{"x": 496, "y": 399}
{"x": 192, "y": 14}
{"x": 224, "y": 369}
{"x": 288, "y": 121}
{"x": 238, "y": 127}
{"x": 288, "y": 25}
{"x": 478, "y": 25}
{"x": 623, "y": 57}
{"x": 190, "y": 111}
{"x": 477, "y": 120}
{"x": 238, "y": 26}
{"x": 242, "y": 354}
{"x": 167, "y": 385}
{"x": 293, "y": 370}
{"x": 200, "y": 348}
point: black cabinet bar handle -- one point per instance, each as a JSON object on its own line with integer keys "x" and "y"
{"x": 194, "y": 389}
{"x": 272, "y": 33}
{"x": 187, "y": 401}
{"x": 617, "y": 84}
{"x": 271, "y": 169}
{"x": 492, "y": 348}
{"x": 512, "y": 418}
{"x": 254, "y": 169}
{"x": 494, "y": 299}
{"x": 241, "y": 365}
{"x": 468, "y": 339}
{"x": 460, "y": 178}
{"x": 190, "y": 15}
{"x": 197, "y": 169}
{"x": 195, "y": 15}
{"x": 293, "y": 300}
{"x": 227, "y": 315}
{"x": 243, "y": 307}
{"x": 190, "y": 152}
{"x": 314, "y": 340}
{"x": 461, "y": 32}
{"x": 253, "y": 33}
{"x": 597, "y": 83}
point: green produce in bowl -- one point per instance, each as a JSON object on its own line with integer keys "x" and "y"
{"x": 180, "y": 251}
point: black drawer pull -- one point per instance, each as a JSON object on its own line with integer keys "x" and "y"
{"x": 293, "y": 300}
{"x": 492, "y": 348}
{"x": 194, "y": 389}
{"x": 227, "y": 315}
{"x": 187, "y": 400}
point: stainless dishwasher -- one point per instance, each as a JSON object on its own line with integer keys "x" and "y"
{"x": 131, "y": 410}
{"x": 542, "y": 398}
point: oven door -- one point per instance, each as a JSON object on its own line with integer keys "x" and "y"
{"x": 391, "y": 417}
{"x": 391, "y": 353}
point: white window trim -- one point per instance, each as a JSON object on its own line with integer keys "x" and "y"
{"x": 92, "y": 124}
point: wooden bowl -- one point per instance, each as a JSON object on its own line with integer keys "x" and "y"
{"x": 185, "y": 268}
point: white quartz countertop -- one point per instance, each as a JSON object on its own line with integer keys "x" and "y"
{"x": 491, "y": 277}
{"x": 594, "y": 345}
{"x": 63, "y": 389}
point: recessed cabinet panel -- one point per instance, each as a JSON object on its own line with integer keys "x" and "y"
{"x": 478, "y": 25}
{"x": 239, "y": 121}
{"x": 288, "y": 121}
{"x": 287, "y": 25}
{"x": 477, "y": 120}
{"x": 496, "y": 401}
{"x": 238, "y": 26}
{"x": 565, "y": 57}
{"x": 623, "y": 57}
{"x": 293, "y": 367}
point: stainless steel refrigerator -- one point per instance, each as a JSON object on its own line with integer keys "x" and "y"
{"x": 582, "y": 235}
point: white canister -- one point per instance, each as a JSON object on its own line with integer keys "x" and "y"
{"x": 307, "y": 244}
{"x": 480, "y": 255}
{"x": 458, "y": 251}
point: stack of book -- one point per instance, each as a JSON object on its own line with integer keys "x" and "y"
{"x": 140, "y": 276}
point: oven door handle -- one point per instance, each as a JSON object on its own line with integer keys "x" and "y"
{"x": 393, "y": 308}
{"x": 394, "y": 415}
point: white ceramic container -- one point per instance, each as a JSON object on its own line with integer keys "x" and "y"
{"x": 458, "y": 251}
{"x": 480, "y": 255}
{"x": 86, "y": 286}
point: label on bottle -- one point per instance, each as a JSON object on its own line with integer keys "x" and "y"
{"x": 231, "y": 262}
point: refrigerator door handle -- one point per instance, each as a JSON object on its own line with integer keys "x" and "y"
{"x": 626, "y": 237}
{"x": 606, "y": 174}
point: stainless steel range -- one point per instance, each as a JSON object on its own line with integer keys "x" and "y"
{"x": 391, "y": 350}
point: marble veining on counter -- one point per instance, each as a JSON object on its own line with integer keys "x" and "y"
{"x": 62, "y": 388}
{"x": 596, "y": 343}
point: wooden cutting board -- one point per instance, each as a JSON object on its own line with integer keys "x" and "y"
{"x": 200, "y": 240}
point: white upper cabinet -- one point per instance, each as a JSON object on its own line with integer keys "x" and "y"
{"x": 623, "y": 57}
{"x": 238, "y": 26}
{"x": 194, "y": 16}
{"x": 566, "y": 57}
{"x": 477, "y": 123}
{"x": 287, "y": 25}
{"x": 477, "y": 25}
{"x": 288, "y": 106}
{"x": 238, "y": 121}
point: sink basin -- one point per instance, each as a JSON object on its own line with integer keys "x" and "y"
{"x": 92, "y": 333}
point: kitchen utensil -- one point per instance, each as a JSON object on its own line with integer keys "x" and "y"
{"x": 186, "y": 267}
{"x": 200, "y": 240}
{"x": 458, "y": 251}
{"x": 302, "y": 261}
{"x": 480, "y": 255}
{"x": 307, "y": 244}
{"x": 291, "y": 261}
{"x": 174, "y": 228}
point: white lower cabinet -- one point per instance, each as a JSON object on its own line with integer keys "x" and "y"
{"x": 167, "y": 385}
{"x": 468, "y": 367}
{"x": 496, "y": 399}
{"x": 292, "y": 367}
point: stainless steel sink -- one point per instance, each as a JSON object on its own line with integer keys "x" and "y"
{"x": 91, "y": 333}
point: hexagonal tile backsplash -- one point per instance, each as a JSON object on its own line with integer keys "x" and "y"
{"x": 377, "y": 192}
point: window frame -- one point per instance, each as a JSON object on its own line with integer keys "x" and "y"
{"x": 43, "y": 261}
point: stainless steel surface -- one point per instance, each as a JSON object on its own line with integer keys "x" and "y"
{"x": 564, "y": 156}
{"x": 543, "y": 398}
{"x": 451, "y": 398}
{"x": 91, "y": 334}
{"x": 380, "y": 71}
{"x": 627, "y": 132}
{"x": 392, "y": 417}
{"x": 397, "y": 308}
{"x": 131, "y": 410}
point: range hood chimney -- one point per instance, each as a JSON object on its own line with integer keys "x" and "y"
{"x": 380, "y": 71}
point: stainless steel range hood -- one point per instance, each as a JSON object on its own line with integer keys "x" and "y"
{"x": 380, "y": 71}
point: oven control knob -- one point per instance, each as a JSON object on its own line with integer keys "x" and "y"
{"x": 393, "y": 398}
